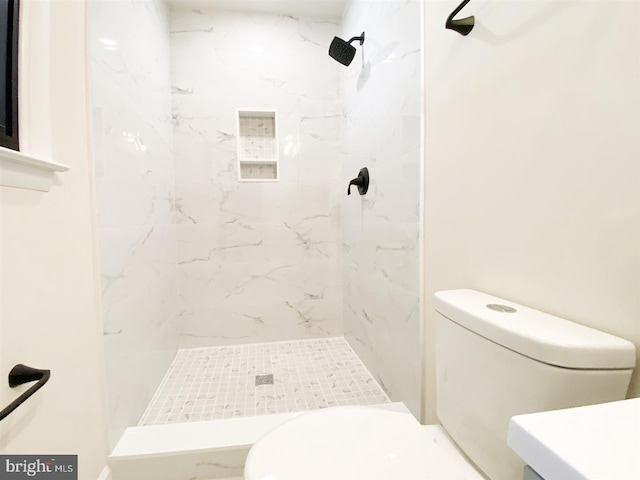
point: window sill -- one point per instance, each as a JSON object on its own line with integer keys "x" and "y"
{"x": 20, "y": 170}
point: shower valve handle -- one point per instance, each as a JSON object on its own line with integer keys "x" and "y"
{"x": 358, "y": 182}
{"x": 362, "y": 182}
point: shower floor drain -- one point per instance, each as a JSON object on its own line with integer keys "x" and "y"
{"x": 264, "y": 379}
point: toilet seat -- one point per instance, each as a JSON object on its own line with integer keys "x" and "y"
{"x": 352, "y": 443}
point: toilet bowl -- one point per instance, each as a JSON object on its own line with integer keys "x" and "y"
{"x": 355, "y": 443}
{"x": 494, "y": 359}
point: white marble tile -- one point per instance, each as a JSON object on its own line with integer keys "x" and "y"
{"x": 380, "y": 104}
{"x": 133, "y": 376}
{"x": 248, "y": 250}
{"x": 135, "y": 200}
{"x": 132, "y": 258}
{"x": 220, "y": 464}
{"x": 300, "y": 300}
{"x": 220, "y": 382}
{"x": 130, "y": 82}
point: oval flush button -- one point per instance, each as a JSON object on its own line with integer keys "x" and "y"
{"x": 501, "y": 308}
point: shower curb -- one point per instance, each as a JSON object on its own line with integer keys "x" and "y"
{"x": 214, "y": 449}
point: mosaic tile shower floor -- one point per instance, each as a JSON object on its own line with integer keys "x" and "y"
{"x": 222, "y": 382}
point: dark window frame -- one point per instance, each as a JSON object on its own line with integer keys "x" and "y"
{"x": 9, "y": 134}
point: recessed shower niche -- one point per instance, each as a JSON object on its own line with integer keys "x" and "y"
{"x": 257, "y": 146}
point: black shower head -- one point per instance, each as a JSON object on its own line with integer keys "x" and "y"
{"x": 343, "y": 51}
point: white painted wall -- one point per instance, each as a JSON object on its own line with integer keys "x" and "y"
{"x": 532, "y": 161}
{"x": 49, "y": 303}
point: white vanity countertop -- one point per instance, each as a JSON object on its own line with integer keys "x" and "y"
{"x": 597, "y": 442}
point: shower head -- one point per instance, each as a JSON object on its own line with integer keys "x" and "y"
{"x": 343, "y": 51}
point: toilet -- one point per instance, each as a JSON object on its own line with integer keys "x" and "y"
{"x": 494, "y": 359}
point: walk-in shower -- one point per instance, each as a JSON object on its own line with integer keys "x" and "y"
{"x": 238, "y": 278}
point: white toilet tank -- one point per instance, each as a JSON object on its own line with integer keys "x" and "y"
{"x": 496, "y": 359}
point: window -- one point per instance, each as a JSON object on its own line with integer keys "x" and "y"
{"x": 9, "y": 74}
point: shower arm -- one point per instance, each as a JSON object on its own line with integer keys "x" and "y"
{"x": 360, "y": 38}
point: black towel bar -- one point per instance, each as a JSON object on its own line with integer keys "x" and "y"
{"x": 22, "y": 374}
{"x": 464, "y": 25}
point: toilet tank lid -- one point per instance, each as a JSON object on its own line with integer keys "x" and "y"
{"x": 537, "y": 335}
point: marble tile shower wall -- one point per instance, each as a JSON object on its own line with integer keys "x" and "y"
{"x": 380, "y": 106}
{"x": 135, "y": 190}
{"x": 257, "y": 261}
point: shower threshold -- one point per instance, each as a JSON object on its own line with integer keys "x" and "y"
{"x": 214, "y": 403}
{"x": 215, "y": 449}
